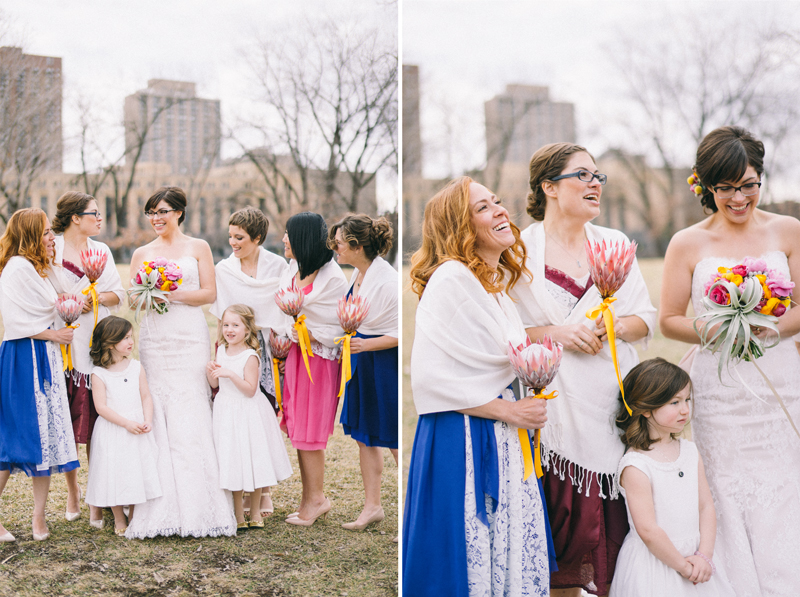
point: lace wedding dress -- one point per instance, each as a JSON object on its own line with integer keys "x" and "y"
{"x": 751, "y": 456}
{"x": 174, "y": 349}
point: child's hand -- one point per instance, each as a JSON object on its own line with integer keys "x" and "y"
{"x": 211, "y": 366}
{"x": 133, "y": 427}
{"x": 147, "y": 427}
{"x": 702, "y": 569}
{"x": 687, "y": 570}
{"x": 221, "y": 372}
{"x": 295, "y": 337}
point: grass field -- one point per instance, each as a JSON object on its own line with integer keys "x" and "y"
{"x": 280, "y": 560}
{"x": 659, "y": 347}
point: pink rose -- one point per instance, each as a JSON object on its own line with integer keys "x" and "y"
{"x": 778, "y": 310}
{"x": 739, "y": 270}
{"x": 780, "y": 287}
{"x": 173, "y": 286}
{"x": 719, "y": 295}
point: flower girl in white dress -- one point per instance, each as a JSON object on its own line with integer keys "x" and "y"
{"x": 251, "y": 456}
{"x": 122, "y": 467}
{"x": 669, "y": 548}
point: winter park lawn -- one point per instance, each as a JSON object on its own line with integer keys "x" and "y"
{"x": 279, "y": 560}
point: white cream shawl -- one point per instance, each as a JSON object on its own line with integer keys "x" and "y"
{"x": 379, "y": 288}
{"x": 64, "y": 284}
{"x": 233, "y": 286}
{"x": 27, "y": 301}
{"x": 580, "y": 427}
{"x": 319, "y": 305}
{"x": 459, "y": 357}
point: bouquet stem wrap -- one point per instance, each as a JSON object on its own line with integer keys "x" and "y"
{"x": 277, "y": 377}
{"x": 305, "y": 342}
{"x": 607, "y": 311}
{"x": 347, "y": 371}
{"x": 66, "y": 354}
{"x": 533, "y": 461}
{"x": 92, "y": 289}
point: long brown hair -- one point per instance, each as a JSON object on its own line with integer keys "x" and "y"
{"x": 648, "y": 386}
{"x": 448, "y": 235}
{"x": 24, "y": 237}
{"x": 109, "y": 332}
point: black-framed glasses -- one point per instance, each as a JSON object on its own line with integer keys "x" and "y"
{"x": 583, "y": 176}
{"x": 97, "y": 215}
{"x": 160, "y": 213}
{"x": 728, "y": 192}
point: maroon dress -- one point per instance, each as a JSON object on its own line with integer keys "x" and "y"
{"x": 587, "y": 531}
{"x": 79, "y": 392}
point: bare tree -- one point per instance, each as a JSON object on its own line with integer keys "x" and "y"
{"x": 330, "y": 93}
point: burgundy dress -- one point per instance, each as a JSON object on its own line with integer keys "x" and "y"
{"x": 587, "y": 531}
{"x": 79, "y": 392}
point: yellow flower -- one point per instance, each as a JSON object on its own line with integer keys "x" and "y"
{"x": 147, "y": 270}
{"x": 767, "y": 291}
{"x": 735, "y": 278}
{"x": 165, "y": 285}
{"x": 180, "y": 281}
{"x": 767, "y": 309}
{"x": 723, "y": 270}
{"x": 161, "y": 269}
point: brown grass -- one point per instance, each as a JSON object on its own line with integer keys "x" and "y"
{"x": 279, "y": 560}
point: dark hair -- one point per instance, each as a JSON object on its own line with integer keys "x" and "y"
{"x": 174, "y": 197}
{"x": 723, "y": 156}
{"x": 308, "y": 237}
{"x": 69, "y": 204}
{"x": 251, "y": 220}
{"x": 648, "y": 386}
{"x": 360, "y": 230}
{"x": 109, "y": 332}
{"x": 548, "y": 161}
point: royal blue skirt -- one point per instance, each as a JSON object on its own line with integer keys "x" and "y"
{"x": 434, "y": 539}
{"x": 369, "y": 413}
{"x": 20, "y": 435}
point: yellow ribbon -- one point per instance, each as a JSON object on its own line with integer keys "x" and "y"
{"x": 533, "y": 461}
{"x": 276, "y": 376}
{"x": 347, "y": 372}
{"x": 608, "y": 317}
{"x": 66, "y": 355}
{"x": 305, "y": 342}
{"x": 92, "y": 288}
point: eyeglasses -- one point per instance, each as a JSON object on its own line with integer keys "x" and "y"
{"x": 97, "y": 215}
{"x": 161, "y": 213}
{"x": 727, "y": 191}
{"x": 584, "y": 176}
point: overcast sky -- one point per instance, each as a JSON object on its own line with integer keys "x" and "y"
{"x": 469, "y": 50}
{"x": 110, "y": 49}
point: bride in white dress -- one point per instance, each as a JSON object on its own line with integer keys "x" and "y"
{"x": 174, "y": 349}
{"x": 751, "y": 453}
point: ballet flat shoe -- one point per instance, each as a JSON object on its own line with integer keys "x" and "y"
{"x": 321, "y": 511}
{"x": 354, "y": 526}
{"x": 7, "y": 538}
{"x": 256, "y": 524}
{"x": 242, "y": 526}
{"x": 98, "y": 524}
{"x": 120, "y": 532}
{"x": 73, "y": 516}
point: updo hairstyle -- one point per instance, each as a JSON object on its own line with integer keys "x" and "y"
{"x": 548, "y": 162}
{"x": 175, "y": 197}
{"x": 648, "y": 386}
{"x": 723, "y": 156}
{"x": 109, "y": 332}
{"x": 253, "y": 221}
{"x": 359, "y": 230}
{"x": 69, "y": 204}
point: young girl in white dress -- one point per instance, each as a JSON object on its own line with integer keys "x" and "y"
{"x": 669, "y": 549}
{"x": 122, "y": 467}
{"x": 251, "y": 456}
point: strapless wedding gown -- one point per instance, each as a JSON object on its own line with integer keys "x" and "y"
{"x": 174, "y": 349}
{"x": 751, "y": 456}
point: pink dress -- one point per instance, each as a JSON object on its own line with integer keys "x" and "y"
{"x": 309, "y": 409}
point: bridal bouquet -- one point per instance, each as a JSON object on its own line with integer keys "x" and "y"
{"x": 737, "y": 299}
{"x": 69, "y": 307}
{"x": 351, "y": 312}
{"x": 279, "y": 347}
{"x": 609, "y": 266}
{"x": 154, "y": 280}
{"x": 535, "y": 364}
{"x": 93, "y": 263}
{"x": 290, "y": 301}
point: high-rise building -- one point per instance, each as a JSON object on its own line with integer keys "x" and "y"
{"x": 30, "y": 112}
{"x": 171, "y": 125}
{"x": 412, "y": 140}
{"x": 523, "y": 119}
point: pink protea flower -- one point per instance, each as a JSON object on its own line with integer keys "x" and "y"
{"x": 290, "y": 300}
{"x": 279, "y": 345}
{"x": 536, "y": 363}
{"x": 93, "y": 263}
{"x": 69, "y": 307}
{"x": 609, "y": 264}
{"x": 351, "y": 312}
